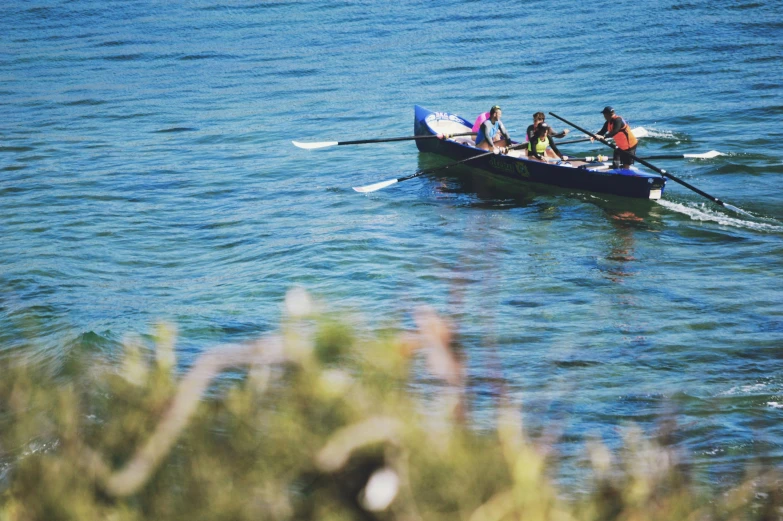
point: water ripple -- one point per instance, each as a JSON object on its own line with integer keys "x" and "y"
{"x": 148, "y": 174}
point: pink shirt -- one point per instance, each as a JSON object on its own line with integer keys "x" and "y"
{"x": 479, "y": 120}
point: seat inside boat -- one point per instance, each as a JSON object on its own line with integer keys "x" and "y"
{"x": 445, "y": 126}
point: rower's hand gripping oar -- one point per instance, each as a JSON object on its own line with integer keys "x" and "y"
{"x": 655, "y": 168}
{"x": 384, "y": 184}
{"x": 324, "y": 144}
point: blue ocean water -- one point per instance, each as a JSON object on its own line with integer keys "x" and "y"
{"x": 147, "y": 173}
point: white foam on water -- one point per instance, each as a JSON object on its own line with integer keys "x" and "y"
{"x": 661, "y": 134}
{"x": 745, "y": 390}
{"x": 702, "y": 212}
{"x": 775, "y": 405}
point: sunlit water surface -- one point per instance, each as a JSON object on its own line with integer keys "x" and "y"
{"x": 148, "y": 174}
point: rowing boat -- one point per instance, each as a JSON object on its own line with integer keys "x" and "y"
{"x": 594, "y": 176}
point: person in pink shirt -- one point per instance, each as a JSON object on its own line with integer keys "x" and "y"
{"x": 479, "y": 120}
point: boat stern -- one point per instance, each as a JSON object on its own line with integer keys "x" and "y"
{"x": 657, "y": 185}
{"x": 428, "y": 123}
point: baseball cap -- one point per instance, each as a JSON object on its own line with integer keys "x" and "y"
{"x": 607, "y": 109}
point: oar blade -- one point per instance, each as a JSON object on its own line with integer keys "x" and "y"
{"x": 736, "y": 209}
{"x": 656, "y": 169}
{"x": 311, "y": 146}
{"x": 707, "y": 155}
{"x": 374, "y": 187}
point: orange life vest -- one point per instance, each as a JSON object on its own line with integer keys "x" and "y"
{"x": 623, "y": 139}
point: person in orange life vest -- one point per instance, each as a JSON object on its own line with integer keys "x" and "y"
{"x": 539, "y": 118}
{"x": 537, "y": 147}
{"x": 616, "y": 127}
{"x": 492, "y": 134}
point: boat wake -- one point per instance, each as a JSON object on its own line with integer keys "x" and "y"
{"x": 664, "y": 135}
{"x": 702, "y": 212}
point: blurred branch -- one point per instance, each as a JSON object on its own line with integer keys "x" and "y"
{"x": 342, "y": 437}
{"x": 345, "y": 441}
{"x": 137, "y": 470}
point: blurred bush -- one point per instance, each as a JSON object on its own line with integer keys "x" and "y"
{"x": 321, "y": 426}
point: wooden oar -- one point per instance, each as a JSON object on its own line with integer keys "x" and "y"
{"x": 324, "y": 144}
{"x": 706, "y": 155}
{"x": 639, "y": 132}
{"x": 655, "y": 168}
{"x": 384, "y": 184}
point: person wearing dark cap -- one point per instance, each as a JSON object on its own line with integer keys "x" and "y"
{"x": 541, "y": 141}
{"x": 492, "y": 134}
{"x": 615, "y": 127}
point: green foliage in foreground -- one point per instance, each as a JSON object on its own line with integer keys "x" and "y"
{"x": 319, "y": 426}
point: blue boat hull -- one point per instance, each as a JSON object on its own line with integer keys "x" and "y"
{"x": 592, "y": 177}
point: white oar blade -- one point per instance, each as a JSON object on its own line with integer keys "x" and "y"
{"x": 640, "y": 132}
{"x": 311, "y": 146}
{"x": 738, "y": 210}
{"x": 376, "y": 186}
{"x": 706, "y": 155}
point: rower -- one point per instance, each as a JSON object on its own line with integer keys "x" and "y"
{"x": 539, "y": 118}
{"x": 624, "y": 139}
{"x": 492, "y": 134}
{"x": 541, "y": 142}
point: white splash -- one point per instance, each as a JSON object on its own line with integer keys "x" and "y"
{"x": 661, "y": 134}
{"x": 776, "y": 405}
{"x": 745, "y": 390}
{"x": 702, "y": 212}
